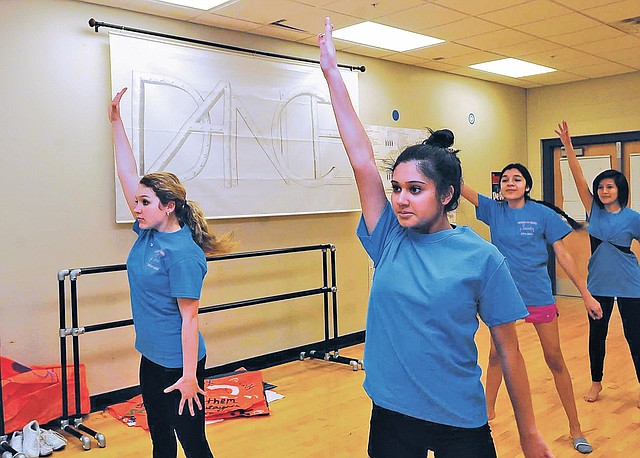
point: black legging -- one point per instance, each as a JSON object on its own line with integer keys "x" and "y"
{"x": 162, "y": 413}
{"x": 630, "y": 314}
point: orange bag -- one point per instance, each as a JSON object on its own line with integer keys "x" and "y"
{"x": 35, "y": 393}
{"x": 240, "y": 394}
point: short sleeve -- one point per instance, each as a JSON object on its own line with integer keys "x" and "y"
{"x": 555, "y": 227}
{"x": 500, "y": 301}
{"x": 375, "y": 242}
{"x": 484, "y": 210}
{"x": 186, "y": 278}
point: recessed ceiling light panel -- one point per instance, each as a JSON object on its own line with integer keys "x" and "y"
{"x": 514, "y": 68}
{"x": 385, "y": 37}
{"x": 198, "y": 4}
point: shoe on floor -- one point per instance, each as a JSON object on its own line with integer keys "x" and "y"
{"x": 32, "y": 445}
{"x": 53, "y": 439}
{"x": 16, "y": 441}
{"x": 7, "y": 455}
{"x": 582, "y": 446}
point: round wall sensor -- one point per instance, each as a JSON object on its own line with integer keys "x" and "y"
{"x": 395, "y": 114}
{"x": 472, "y": 118}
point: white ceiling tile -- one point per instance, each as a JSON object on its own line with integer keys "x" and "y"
{"x": 576, "y": 62}
{"x": 403, "y": 58}
{"x": 581, "y": 5}
{"x": 282, "y": 33}
{"x": 369, "y": 9}
{"x": 445, "y": 50}
{"x": 615, "y": 11}
{"x": 476, "y": 7}
{"x": 602, "y": 32}
{"x": 603, "y": 47}
{"x": 437, "y": 65}
{"x": 477, "y": 57}
{"x": 225, "y": 22}
{"x": 559, "y": 25}
{"x": 628, "y": 57}
{"x": 524, "y": 13}
{"x": 553, "y": 57}
{"x": 421, "y": 17}
{"x": 498, "y": 39}
{"x": 554, "y": 78}
{"x": 464, "y": 28}
{"x": 601, "y": 70}
{"x": 522, "y": 50}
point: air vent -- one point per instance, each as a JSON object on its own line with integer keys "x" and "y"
{"x": 281, "y": 23}
{"x": 629, "y": 25}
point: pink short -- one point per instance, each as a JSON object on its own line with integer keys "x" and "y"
{"x": 541, "y": 313}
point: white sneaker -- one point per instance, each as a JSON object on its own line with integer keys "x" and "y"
{"x": 16, "y": 441}
{"x": 53, "y": 439}
{"x": 45, "y": 449}
{"x": 7, "y": 455}
{"x": 31, "y": 439}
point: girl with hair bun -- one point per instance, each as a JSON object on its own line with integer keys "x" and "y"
{"x": 521, "y": 228}
{"x": 614, "y": 272}
{"x": 432, "y": 281}
{"x": 166, "y": 268}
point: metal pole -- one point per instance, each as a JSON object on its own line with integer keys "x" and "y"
{"x": 97, "y": 24}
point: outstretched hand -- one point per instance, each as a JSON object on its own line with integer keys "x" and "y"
{"x": 328, "y": 57}
{"x": 563, "y": 133}
{"x": 189, "y": 389}
{"x": 114, "y": 108}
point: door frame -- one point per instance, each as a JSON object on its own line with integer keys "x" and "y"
{"x": 548, "y": 176}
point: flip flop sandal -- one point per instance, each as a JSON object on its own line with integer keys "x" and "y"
{"x": 582, "y": 446}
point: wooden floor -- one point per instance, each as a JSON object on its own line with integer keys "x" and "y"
{"x": 325, "y": 412}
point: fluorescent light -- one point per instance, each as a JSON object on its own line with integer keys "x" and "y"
{"x": 198, "y": 4}
{"x": 385, "y": 37}
{"x": 514, "y": 68}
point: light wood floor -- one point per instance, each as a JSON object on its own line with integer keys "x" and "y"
{"x": 325, "y": 412}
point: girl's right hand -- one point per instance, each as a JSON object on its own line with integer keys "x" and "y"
{"x": 114, "y": 108}
{"x": 328, "y": 56}
{"x": 563, "y": 133}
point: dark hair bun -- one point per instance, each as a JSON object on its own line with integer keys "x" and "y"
{"x": 442, "y": 138}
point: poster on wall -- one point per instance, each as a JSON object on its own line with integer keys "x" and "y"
{"x": 495, "y": 186}
{"x": 388, "y": 143}
{"x": 248, "y": 136}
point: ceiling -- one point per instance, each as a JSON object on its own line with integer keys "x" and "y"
{"x": 582, "y": 39}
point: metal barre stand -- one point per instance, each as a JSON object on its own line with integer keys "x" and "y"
{"x": 4, "y": 444}
{"x": 73, "y": 424}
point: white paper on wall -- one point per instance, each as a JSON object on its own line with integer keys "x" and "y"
{"x": 247, "y": 135}
{"x": 591, "y": 167}
{"x": 634, "y": 181}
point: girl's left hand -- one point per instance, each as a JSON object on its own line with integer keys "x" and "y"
{"x": 188, "y": 387}
{"x": 593, "y": 308}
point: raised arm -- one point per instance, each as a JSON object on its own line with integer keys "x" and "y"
{"x": 125, "y": 162}
{"x": 581, "y": 183}
{"x": 515, "y": 375}
{"x": 352, "y": 133}
{"x": 469, "y": 194}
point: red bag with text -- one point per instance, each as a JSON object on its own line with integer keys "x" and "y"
{"x": 35, "y": 393}
{"x": 240, "y": 394}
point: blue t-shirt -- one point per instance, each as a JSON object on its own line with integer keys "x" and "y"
{"x": 522, "y": 235}
{"x": 612, "y": 272}
{"x": 427, "y": 293}
{"x": 162, "y": 267}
